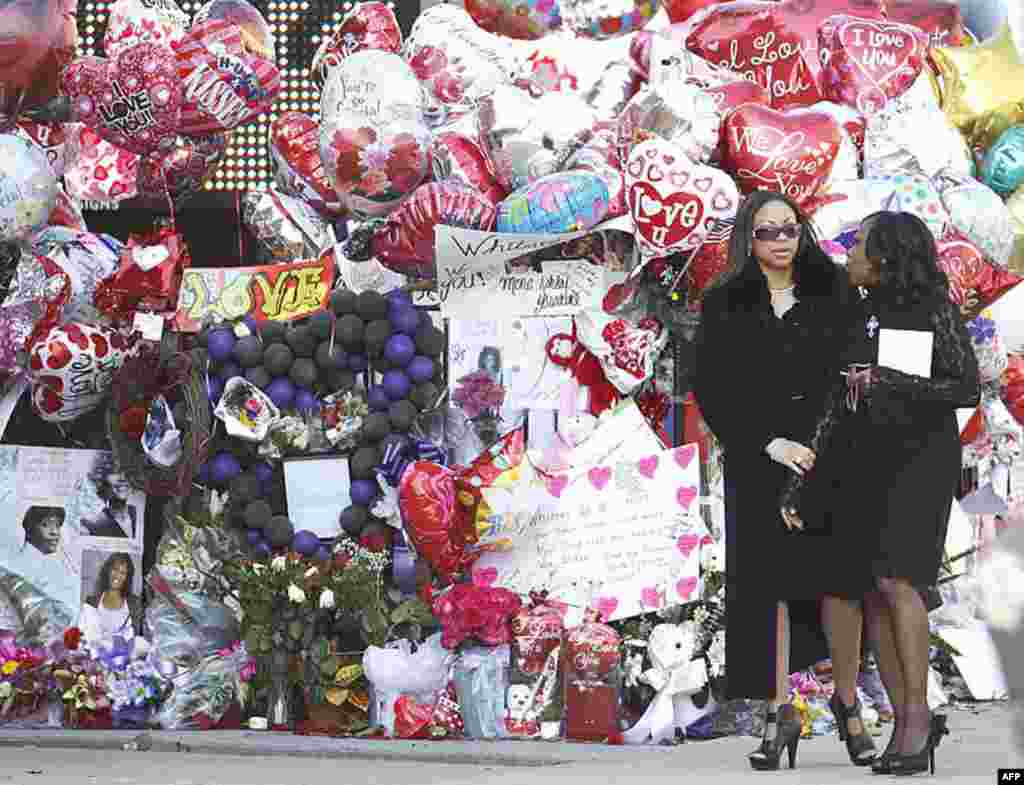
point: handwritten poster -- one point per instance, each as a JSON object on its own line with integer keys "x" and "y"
{"x": 271, "y": 292}
{"x": 623, "y": 537}
{"x": 58, "y": 505}
{"x": 562, "y": 288}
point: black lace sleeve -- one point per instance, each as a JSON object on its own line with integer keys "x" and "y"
{"x": 954, "y": 379}
{"x": 835, "y": 404}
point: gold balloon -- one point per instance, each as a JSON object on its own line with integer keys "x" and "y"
{"x": 982, "y": 86}
{"x": 1015, "y": 204}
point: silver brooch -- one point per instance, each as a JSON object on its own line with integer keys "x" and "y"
{"x": 872, "y": 326}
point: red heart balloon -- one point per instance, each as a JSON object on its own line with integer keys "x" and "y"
{"x": 681, "y": 10}
{"x": 940, "y": 19}
{"x": 458, "y": 157}
{"x": 967, "y": 271}
{"x": 368, "y": 26}
{"x": 772, "y": 44}
{"x": 790, "y": 152}
{"x": 223, "y": 85}
{"x": 434, "y": 521}
{"x": 133, "y": 101}
{"x": 865, "y": 63}
{"x": 673, "y": 201}
{"x": 405, "y": 243}
{"x": 298, "y": 170}
{"x": 181, "y": 170}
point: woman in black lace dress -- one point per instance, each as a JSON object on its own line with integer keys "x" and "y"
{"x": 888, "y": 462}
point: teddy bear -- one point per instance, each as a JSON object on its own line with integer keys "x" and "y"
{"x": 520, "y": 716}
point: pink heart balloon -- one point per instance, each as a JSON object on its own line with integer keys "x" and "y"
{"x": 673, "y": 201}
{"x": 133, "y": 101}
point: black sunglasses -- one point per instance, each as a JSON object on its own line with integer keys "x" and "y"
{"x": 769, "y": 234}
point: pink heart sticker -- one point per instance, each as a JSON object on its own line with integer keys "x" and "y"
{"x": 687, "y": 543}
{"x": 684, "y": 455}
{"x": 485, "y": 577}
{"x": 685, "y": 496}
{"x": 557, "y": 484}
{"x": 599, "y": 476}
{"x": 606, "y": 607}
{"x": 650, "y": 597}
{"x": 686, "y": 586}
{"x": 707, "y": 539}
{"x": 648, "y": 466}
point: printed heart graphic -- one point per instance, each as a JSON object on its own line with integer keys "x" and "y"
{"x": 707, "y": 539}
{"x": 648, "y": 466}
{"x": 223, "y": 85}
{"x": 625, "y": 350}
{"x": 774, "y": 45}
{"x": 606, "y": 607}
{"x": 790, "y": 152}
{"x": 557, "y": 484}
{"x": 685, "y": 496}
{"x": 485, "y": 577}
{"x": 181, "y": 170}
{"x": 687, "y": 543}
{"x": 866, "y": 63}
{"x": 684, "y": 455}
{"x": 650, "y": 597}
{"x": 298, "y": 170}
{"x": 133, "y": 101}
{"x": 684, "y": 193}
{"x": 686, "y": 586}
{"x": 599, "y": 476}
{"x": 966, "y": 269}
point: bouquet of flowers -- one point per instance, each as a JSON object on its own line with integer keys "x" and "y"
{"x": 22, "y": 684}
{"x": 481, "y": 398}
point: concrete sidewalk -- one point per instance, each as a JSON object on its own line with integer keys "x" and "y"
{"x": 981, "y": 741}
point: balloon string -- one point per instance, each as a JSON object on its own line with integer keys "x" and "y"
{"x": 238, "y": 219}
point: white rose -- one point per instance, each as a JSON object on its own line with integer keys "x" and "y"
{"x": 278, "y": 563}
{"x": 311, "y": 572}
{"x": 258, "y": 568}
{"x": 296, "y": 595}
{"x": 327, "y": 599}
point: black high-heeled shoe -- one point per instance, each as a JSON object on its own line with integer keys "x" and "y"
{"x": 787, "y": 736}
{"x": 860, "y": 747}
{"x": 918, "y": 762}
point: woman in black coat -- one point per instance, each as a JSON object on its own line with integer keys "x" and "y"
{"x": 767, "y": 353}
{"x": 889, "y": 461}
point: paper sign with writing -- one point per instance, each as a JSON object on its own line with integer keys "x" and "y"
{"x": 276, "y": 292}
{"x": 623, "y": 537}
{"x": 562, "y": 289}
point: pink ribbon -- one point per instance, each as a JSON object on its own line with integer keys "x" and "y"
{"x": 858, "y": 382}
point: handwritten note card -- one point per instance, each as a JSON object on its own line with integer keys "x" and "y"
{"x": 562, "y": 289}
{"x": 625, "y": 537}
{"x": 909, "y": 351}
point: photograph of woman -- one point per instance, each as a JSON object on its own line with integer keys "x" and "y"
{"x": 118, "y": 518}
{"x": 888, "y": 465}
{"x": 489, "y": 362}
{"x": 111, "y": 607}
{"x": 42, "y": 527}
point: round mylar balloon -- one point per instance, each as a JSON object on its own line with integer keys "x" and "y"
{"x": 180, "y": 171}
{"x": 28, "y": 188}
{"x": 1003, "y": 168}
{"x": 133, "y": 21}
{"x": 374, "y": 143}
{"x": 367, "y": 26}
{"x": 524, "y": 19}
{"x": 560, "y": 202}
{"x": 607, "y": 18}
{"x": 257, "y": 38}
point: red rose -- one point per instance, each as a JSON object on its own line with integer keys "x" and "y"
{"x": 72, "y": 637}
{"x": 427, "y": 62}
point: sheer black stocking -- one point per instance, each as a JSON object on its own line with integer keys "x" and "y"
{"x": 879, "y": 633}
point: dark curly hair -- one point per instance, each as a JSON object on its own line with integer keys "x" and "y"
{"x": 103, "y": 579}
{"x": 814, "y": 272}
{"x": 904, "y": 248}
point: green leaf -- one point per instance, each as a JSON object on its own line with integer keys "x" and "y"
{"x": 329, "y": 667}
{"x": 296, "y": 629}
{"x": 414, "y": 611}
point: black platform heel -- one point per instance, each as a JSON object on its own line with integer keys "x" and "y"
{"x": 860, "y": 748}
{"x": 787, "y": 735}
{"x": 918, "y": 762}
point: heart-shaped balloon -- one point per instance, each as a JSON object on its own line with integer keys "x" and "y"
{"x": 133, "y": 101}
{"x": 181, "y": 170}
{"x": 525, "y": 21}
{"x": 772, "y": 44}
{"x": 437, "y": 525}
{"x": 134, "y": 21}
{"x": 968, "y": 272}
{"x": 405, "y": 243}
{"x": 298, "y": 171}
{"x": 791, "y": 152}
{"x": 99, "y": 170}
{"x": 72, "y": 367}
{"x": 374, "y": 143}
{"x": 674, "y": 201}
{"x": 941, "y": 21}
{"x": 367, "y": 26}
{"x": 457, "y": 157}
{"x": 223, "y": 85}
{"x": 864, "y": 63}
